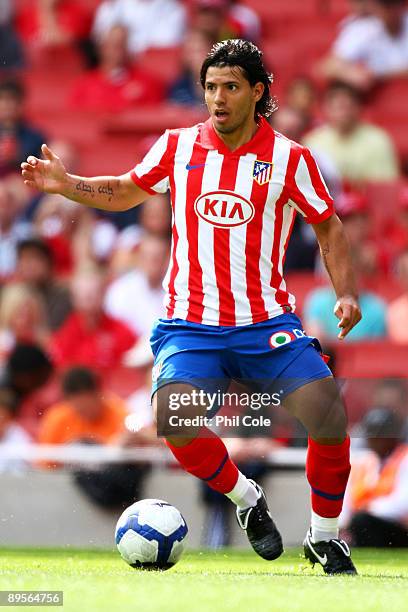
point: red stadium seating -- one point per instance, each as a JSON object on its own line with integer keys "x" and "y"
{"x": 164, "y": 64}
{"x": 300, "y": 284}
{"x": 153, "y": 119}
{"x": 361, "y": 365}
{"x": 371, "y": 359}
{"x": 124, "y": 381}
{"x": 383, "y": 200}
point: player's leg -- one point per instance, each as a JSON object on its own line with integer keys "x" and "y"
{"x": 203, "y": 454}
{"x": 188, "y": 361}
{"x": 319, "y": 407}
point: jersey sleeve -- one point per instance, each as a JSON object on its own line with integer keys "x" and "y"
{"x": 308, "y": 191}
{"x": 152, "y": 174}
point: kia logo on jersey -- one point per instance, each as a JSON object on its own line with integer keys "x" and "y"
{"x": 224, "y": 208}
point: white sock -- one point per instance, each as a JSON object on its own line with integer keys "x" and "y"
{"x": 244, "y": 494}
{"x": 324, "y": 528}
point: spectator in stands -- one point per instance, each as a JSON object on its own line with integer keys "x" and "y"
{"x": 22, "y": 318}
{"x": 116, "y": 84}
{"x": 320, "y": 321}
{"x": 89, "y": 415}
{"x": 47, "y": 24}
{"x": 301, "y": 97}
{"x": 376, "y": 504}
{"x": 157, "y": 23}
{"x": 90, "y": 336}
{"x": 187, "y": 88}
{"x": 11, "y": 52}
{"x": 29, "y": 373}
{"x": 11, "y": 433}
{"x": 391, "y": 393}
{"x": 226, "y": 19}
{"x": 361, "y": 151}
{"x": 86, "y": 412}
{"x": 154, "y": 217}
{"x": 67, "y": 228}
{"x": 211, "y": 17}
{"x": 35, "y": 268}
{"x": 17, "y": 138}
{"x": 12, "y": 229}
{"x": 76, "y": 235}
{"x": 28, "y": 368}
{"x": 358, "y": 10}
{"x": 397, "y": 313}
{"x": 371, "y": 48}
{"x": 245, "y": 21}
{"x": 136, "y": 298}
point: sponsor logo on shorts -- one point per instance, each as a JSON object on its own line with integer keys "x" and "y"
{"x": 284, "y": 336}
{"x": 280, "y": 338}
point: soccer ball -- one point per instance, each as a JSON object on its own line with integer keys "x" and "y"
{"x": 150, "y": 534}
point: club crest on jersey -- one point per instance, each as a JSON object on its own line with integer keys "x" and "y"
{"x": 262, "y": 173}
{"x": 280, "y": 338}
{"x": 224, "y": 209}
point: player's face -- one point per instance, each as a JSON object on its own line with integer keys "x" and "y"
{"x": 230, "y": 99}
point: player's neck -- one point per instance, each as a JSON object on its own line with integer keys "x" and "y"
{"x": 240, "y": 136}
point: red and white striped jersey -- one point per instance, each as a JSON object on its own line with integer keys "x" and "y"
{"x": 233, "y": 214}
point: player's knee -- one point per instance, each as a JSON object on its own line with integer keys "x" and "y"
{"x": 333, "y": 426}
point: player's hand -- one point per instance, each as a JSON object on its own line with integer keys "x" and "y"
{"x": 46, "y": 174}
{"x": 347, "y": 309}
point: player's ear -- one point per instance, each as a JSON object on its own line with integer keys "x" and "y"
{"x": 258, "y": 91}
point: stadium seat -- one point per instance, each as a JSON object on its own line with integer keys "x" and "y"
{"x": 124, "y": 381}
{"x": 153, "y": 119}
{"x": 300, "y": 284}
{"x": 110, "y": 155}
{"x": 390, "y": 100}
{"x": 359, "y": 368}
{"x": 376, "y": 359}
{"x": 163, "y": 63}
{"x": 383, "y": 201}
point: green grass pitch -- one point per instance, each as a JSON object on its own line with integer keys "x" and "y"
{"x": 99, "y": 581}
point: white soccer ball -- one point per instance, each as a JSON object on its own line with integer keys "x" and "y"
{"x": 150, "y": 534}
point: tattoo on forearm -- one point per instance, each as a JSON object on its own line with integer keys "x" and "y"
{"x": 85, "y": 187}
{"x": 106, "y": 189}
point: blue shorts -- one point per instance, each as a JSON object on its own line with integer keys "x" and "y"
{"x": 274, "y": 354}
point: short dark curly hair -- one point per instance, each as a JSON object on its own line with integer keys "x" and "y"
{"x": 247, "y": 56}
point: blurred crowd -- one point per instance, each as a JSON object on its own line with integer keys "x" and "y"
{"x": 80, "y": 288}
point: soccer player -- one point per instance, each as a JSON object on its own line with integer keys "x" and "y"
{"x": 236, "y": 186}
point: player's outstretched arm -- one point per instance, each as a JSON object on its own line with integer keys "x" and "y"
{"x": 113, "y": 193}
{"x": 335, "y": 252}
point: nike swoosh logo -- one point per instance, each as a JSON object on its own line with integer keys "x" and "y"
{"x": 343, "y": 546}
{"x": 322, "y": 560}
{"x": 190, "y": 167}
